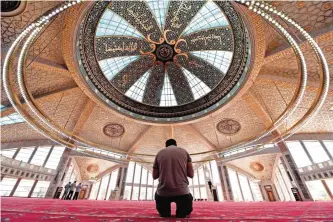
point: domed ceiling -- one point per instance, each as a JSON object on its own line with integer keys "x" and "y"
{"x": 163, "y": 60}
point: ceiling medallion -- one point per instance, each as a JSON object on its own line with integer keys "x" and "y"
{"x": 93, "y": 168}
{"x": 113, "y": 130}
{"x": 228, "y": 126}
{"x": 165, "y": 50}
{"x": 169, "y": 72}
{"x": 258, "y": 167}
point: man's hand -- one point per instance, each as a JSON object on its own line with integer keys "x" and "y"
{"x": 190, "y": 171}
{"x": 156, "y": 174}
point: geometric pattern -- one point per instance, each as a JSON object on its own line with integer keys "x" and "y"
{"x": 209, "y": 16}
{"x": 181, "y": 81}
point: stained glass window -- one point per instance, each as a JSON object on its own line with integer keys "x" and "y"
{"x": 137, "y": 90}
{"x": 113, "y": 24}
{"x": 111, "y": 67}
{"x": 168, "y": 97}
{"x": 220, "y": 59}
{"x": 209, "y": 16}
{"x": 198, "y": 87}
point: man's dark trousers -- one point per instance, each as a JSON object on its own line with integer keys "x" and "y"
{"x": 183, "y": 203}
{"x": 69, "y": 196}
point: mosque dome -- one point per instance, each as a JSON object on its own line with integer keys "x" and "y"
{"x": 163, "y": 62}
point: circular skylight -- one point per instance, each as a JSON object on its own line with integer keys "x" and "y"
{"x": 163, "y": 58}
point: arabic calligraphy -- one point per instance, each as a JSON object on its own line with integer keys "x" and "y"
{"x": 183, "y": 8}
{"x": 138, "y": 19}
{"x": 207, "y": 38}
{"x": 130, "y": 47}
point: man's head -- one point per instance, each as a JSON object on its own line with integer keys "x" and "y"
{"x": 74, "y": 181}
{"x": 170, "y": 142}
{"x": 69, "y": 182}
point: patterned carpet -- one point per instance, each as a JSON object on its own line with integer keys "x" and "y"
{"x": 25, "y": 209}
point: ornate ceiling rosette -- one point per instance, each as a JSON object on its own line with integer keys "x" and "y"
{"x": 164, "y": 61}
{"x": 229, "y": 126}
{"x": 113, "y": 130}
{"x": 255, "y": 166}
{"x": 93, "y": 168}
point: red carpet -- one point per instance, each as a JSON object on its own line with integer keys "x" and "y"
{"x": 25, "y": 209}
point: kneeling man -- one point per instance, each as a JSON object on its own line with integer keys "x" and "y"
{"x": 172, "y": 166}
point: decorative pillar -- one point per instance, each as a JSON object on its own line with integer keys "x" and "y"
{"x": 61, "y": 169}
{"x": 32, "y": 188}
{"x": 297, "y": 181}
